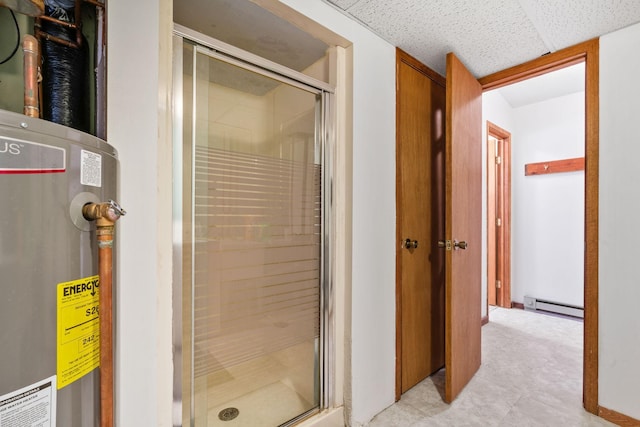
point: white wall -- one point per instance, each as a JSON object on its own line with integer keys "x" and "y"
{"x": 496, "y": 110}
{"x": 619, "y": 287}
{"x": 373, "y": 261}
{"x": 137, "y": 121}
{"x": 548, "y": 210}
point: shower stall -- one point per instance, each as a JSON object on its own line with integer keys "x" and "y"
{"x": 252, "y": 233}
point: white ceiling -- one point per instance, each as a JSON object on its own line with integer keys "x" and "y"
{"x": 562, "y": 82}
{"x": 488, "y": 35}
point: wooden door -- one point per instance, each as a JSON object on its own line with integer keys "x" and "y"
{"x": 463, "y": 227}
{"x": 420, "y": 218}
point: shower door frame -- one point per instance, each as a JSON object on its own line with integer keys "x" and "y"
{"x": 183, "y": 345}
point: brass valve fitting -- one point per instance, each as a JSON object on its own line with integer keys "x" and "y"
{"x": 105, "y": 214}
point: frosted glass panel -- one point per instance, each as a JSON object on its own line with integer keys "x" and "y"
{"x": 256, "y": 217}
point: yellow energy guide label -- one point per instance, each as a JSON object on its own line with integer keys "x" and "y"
{"x": 78, "y": 349}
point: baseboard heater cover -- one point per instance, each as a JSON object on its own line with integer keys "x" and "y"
{"x": 535, "y": 304}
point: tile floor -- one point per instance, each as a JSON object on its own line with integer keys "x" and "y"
{"x": 531, "y": 375}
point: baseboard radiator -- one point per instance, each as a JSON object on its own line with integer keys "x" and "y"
{"x": 535, "y": 304}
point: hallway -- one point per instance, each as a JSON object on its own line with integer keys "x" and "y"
{"x": 531, "y": 375}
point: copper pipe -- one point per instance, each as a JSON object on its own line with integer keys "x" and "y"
{"x": 39, "y": 61}
{"x": 78, "y": 19}
{"x": 59, "y": 22}
{"x": 77, "y": 26}
{"x": 44, "y": 35}
{"x": 31, "y": 51}
{"x": 105, "y": 215}
{"x": 105, "y": 250}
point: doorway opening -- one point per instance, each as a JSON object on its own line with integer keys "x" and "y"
{"x": 547, "y": 116}
{"x": 546, "y": 119}
{"x": 586, "y": 53}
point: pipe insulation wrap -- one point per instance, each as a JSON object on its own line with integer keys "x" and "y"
{"x": 64, "y": 69}
{"x": 62, "y": 4}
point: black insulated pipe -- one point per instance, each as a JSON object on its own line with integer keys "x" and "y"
{"x": 64, "y": 65}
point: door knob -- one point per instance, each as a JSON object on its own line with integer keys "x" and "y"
{"x": 460, "y": 245}
{"x": 410, "y": 244}
{"x": 444, "y": 244}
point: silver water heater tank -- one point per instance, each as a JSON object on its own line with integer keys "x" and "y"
{"x": 49, "y": 333}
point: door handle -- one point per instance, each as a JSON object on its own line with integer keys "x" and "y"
{"x": 447, "y": 245}
{"x": 444, "y": 244}
{"x": 410, "y": 244}
{"x": 460, "y": 245}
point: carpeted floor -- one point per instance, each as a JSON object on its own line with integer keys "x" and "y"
{"x": 531, "y": 375}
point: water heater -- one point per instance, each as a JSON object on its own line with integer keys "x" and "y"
{"x": 49, "y": 285}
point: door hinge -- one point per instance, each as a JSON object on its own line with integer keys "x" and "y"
{"x": 498, "y": 160}
{"x": 498, "y": 284}
{"x": 446, "y": 244}
{"x": 498, "y": 222}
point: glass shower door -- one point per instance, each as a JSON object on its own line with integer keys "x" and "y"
{"x": 253, "y": 170}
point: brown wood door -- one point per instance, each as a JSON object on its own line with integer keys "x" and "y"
{"x": 420, "y": 213}
{"x": 463, "y": 224}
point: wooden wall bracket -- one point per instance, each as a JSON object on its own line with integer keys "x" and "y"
{"x": 555, "y": 166}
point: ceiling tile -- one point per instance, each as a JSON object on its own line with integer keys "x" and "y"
{"x": 486, "y": 36}
{"x": 566, "y": 23}
{"x": 343, "y": 4}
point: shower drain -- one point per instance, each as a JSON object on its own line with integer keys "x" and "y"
{"x": 228, "y": 414}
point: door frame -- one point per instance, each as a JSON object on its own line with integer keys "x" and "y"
{"x": 501, "y": 268}
{"x": 587, "y": 52}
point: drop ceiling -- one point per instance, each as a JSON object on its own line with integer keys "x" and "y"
{"x": 488, "y": 35}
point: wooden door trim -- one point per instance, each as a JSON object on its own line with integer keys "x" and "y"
{"x": 491, "y": 227}
{"x": 503, "y": 297}
{"x": 404, "y": 58}
{"x": 587, "y": 52}
{"x": 617, "y": 418}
